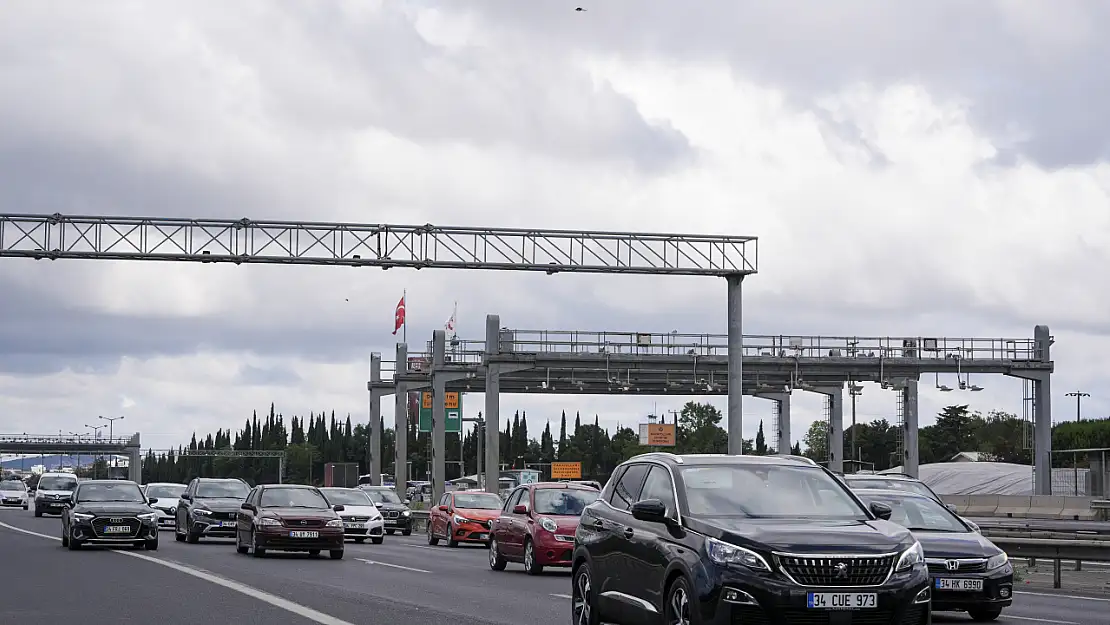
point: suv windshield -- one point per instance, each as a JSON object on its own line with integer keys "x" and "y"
{"x": 164, "y": 491}
{"x": 110, "y": 492}
{"x": 58, "y": 483}
{"x": 563, "y": 501}
{"x": 880, "y": 483}
{"x": 478, "y": 502}
{"x": 767, "y": 492}
{"x": 918, "y": 513}
{"x": 382, "y": 496}
{"x": 293, "y": 498}
{"x": 231, "y": 489}
{"x": 346, "y": 497}
{"x": 15, "y": 485}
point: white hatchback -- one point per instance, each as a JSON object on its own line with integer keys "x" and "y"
{"x": 361, "y": 518}
{"x": 167, "y": 494}
{"x": 13, "y": 493}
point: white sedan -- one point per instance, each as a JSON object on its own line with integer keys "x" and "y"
{"x": 167, "y": 494}
{"x": 361, "y": 518}
{"x": 13, "y": 493}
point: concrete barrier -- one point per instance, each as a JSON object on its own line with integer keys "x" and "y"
{"x": 959, "y": 502}
{"x": 1078, "y": 509}
{"x": 981, "y": 505}
{"x": 1046, "y": 507}
{"x": 1014, "y": 506}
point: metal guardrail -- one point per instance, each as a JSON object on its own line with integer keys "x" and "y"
{"x": 1077, "y": 551}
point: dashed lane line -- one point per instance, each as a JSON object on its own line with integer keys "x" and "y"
{"x": 1038, "y": 620}
{"x": 394, "y": 566}
{"x": 250, "y": 591}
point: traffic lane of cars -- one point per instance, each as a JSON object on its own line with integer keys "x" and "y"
{"x": 47, "y": 584}
{"x": 403, "y": 574}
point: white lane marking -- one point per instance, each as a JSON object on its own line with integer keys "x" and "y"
{"x": 250, "y": 591}
{"x": 561, "y": 596}
{"x": 1049, "y": 594}
{"x": 395, "y": 566}
{"x": 1038, "y": 620}
{"x": 422, "y": 547}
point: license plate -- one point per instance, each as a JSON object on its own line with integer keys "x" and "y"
{"x": 355, "y": 526}
{"x": 483, "y": 536}
{"x": 959, "y": 584}
{"x": 304, "y": 534}
{"x": 117, "y": 529}
{"x": 842, "y": 600}
{"x": 227, "y": 524}
{"x": 391, "y": 522}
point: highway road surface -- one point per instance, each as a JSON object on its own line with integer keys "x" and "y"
{"x": 401, "y": 581}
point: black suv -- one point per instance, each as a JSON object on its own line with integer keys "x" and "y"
{"x": 716, "y": 540}
{"x": 209, "y": 508}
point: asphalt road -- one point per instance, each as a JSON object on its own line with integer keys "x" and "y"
{"x": 401, "y": 581}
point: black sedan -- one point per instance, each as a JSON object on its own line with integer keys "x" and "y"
{"x": 397, "y": 515}
{"x": 109, "y": 512}
{"x": 968, "y": 572}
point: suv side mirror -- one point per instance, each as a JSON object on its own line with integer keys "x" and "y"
{"x": 443, "y": 508}
{"x": 650, "y": 510}
{"x": 520, "y": 508}
{"x": 247, "y": 506}
{"x": 881, "y": 510}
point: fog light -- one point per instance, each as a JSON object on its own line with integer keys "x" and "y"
{"x": 923, "y": 596}
{"x": 1004, "y": 592}
{"x": 732, "y": 595}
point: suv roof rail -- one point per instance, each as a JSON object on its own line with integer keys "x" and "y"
{"x": 666, "y": 454}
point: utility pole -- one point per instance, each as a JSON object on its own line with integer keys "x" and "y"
{"x": 1078, "y": 395}
{"x": 854, "y": 390}
{"x": 111, "y": 421}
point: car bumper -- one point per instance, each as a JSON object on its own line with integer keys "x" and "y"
{"x": 998, "y": 591}
{"x": 375, "y": 528}
{"x": 165, "y": 519}
{"x": 49, "y": 506}
{"x": 471, "y": 533}
{"x": 400, "y": 523}
{"x": 729, "y": 597}
{"x": 86, "y": 532}
{"x": 555, "y": 550}
{"x": 279, "y": 539}
{"x": 215, "y": 528}
{"x": 13, "y": 503}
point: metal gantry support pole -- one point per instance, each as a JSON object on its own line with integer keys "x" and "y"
{"x": 374, "y": 430}
{"x": 783, "y": 444}
{"x": 1042, "y": 415}
{"x": 401, "y": 423}
{"x": 439, "y": 410}
{"x": 835, "y": 396}
{"x": 493, "y": 404}
{"x": 911, "y": 423}
{"x": 735, "y": 365}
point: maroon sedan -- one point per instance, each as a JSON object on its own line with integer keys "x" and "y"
{"x": 289, "y": 517}
{"x": 537, "y": 525}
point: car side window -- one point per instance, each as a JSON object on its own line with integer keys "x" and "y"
{"x": 658, "y": 486}
{"x": 627, "y": 490}
{"x": 607, "y": 491}
{"x": 445, "y": 500}
{"x": 510, "y": 501}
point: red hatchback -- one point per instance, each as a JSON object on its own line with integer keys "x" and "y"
{"x": 537, "y": 525}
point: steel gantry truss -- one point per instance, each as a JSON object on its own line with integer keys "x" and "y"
{"x": 386, "y": 246}
{"x": 71, "y": 445}
{"x": 373, "y": 245}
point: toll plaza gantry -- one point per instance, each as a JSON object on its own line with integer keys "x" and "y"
{"x": 246, "y": 241}
{"x": 37, "y": 444}
{"x": 570, "y": 362}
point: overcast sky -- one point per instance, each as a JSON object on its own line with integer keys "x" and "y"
{"x": 939, "y": 170}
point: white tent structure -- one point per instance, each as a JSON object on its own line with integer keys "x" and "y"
{"x": 994, "y": 478}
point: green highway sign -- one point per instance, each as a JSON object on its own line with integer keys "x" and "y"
{"x": 452, "y": 403}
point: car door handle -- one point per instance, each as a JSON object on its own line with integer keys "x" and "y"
{"x": 628, "y": 532}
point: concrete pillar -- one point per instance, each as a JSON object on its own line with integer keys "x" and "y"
{"x": 401, "y": 422}
{"x": 135, "y": 459}
{"x": 493, "y": 404}
{"x": 835, "y": 396}
{"x": 374, "y": 434}
{"x": 1042, "y": 414}
{"x": 735, "y": 365}
{"x": 782, "y": 400}
{"x": 439, "y": 409}
{"x": 911, "y": 425}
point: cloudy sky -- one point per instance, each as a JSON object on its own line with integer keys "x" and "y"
{"x": 931, "y": 171}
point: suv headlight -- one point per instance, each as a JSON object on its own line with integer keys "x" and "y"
{"x": 334, "y": 523}
{"x": 149, "y": 516}
{"x": 996, "y": 561}
{"x": 201, "y": 511}
{"x": 81, "y": 516}
{"x": 406, "y": 513}
{"x": 549, "y": 525}
{"x": 267, "y": 521}
{"x": 911, "y": 557}
{"x": 723, "y": 553}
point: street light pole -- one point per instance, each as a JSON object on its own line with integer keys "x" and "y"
{"x": 111, "y": 421}
{"x": 1078, "y": 395}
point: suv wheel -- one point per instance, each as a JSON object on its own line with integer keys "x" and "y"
{"x": 983, "y": 615}
{"x": 177, "y": 535}
{"x": 677, "y": 609}
{"x": 582, "y": 604}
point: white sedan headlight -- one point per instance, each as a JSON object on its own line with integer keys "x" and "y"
{"x": 910, "y": 558}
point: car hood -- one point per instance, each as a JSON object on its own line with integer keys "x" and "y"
{"x": 302, "y": 513}
{"x": 12, "y": 493}
{"x": 393, "y": 506}
{"x": 478, "y": 514}
{"x": 112, "y": 507}
{"x": 953, "y": 545}
{"x": 369, "y": 511}
{"x": 218, "y": 505}
{"x": 806, "y": 536}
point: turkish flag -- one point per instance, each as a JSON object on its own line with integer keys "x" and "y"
{"x": 399, "y": 315}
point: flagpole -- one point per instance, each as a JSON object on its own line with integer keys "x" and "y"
{"x": 405, "y": 319}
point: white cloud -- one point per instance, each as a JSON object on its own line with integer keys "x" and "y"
{"x": 884, "y": 206}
